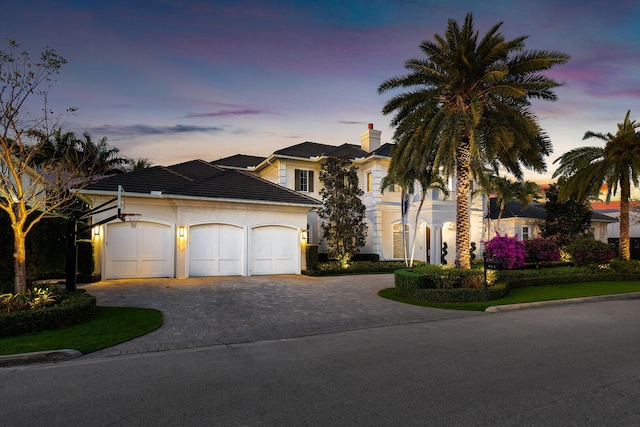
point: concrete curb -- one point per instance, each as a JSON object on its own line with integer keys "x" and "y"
{"x": 38, "y": 357}
{"x": 569, "y": 301}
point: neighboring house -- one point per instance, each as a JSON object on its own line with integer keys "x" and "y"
{"x": 525, "y": 223}
{"x": 197, "y": 219}
{"x": 298, "y": 167}
{"x": 612, "y": 209}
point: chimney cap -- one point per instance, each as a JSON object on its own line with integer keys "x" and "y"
{"x": 370, "y": 125}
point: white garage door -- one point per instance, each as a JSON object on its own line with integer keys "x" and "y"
{"x": 144, "y": 251}
{"x": 275, "y": 250}
{"x": 216, "y": 250}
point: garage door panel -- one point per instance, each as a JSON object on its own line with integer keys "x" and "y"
{"x": 274, "y": 250}
{"x": 216, "y": 250}
{"x": 122, "y": 243}
{"x": 144, "y": 251}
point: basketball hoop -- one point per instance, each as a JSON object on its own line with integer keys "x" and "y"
{"x": 131, "y": 217}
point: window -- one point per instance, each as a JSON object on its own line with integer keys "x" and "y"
{"x": 398, "y": 247}
{"x": 369, "y": 181}
{"x": 525, "y": 233}
{"x": 304, "y": 180}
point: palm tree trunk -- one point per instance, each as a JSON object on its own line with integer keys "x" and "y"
{"x": 463, "y": 173}
{"x": 415, "y": 229}
{"x": 625, "y": 241}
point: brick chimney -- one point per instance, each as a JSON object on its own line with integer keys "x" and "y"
{"x": 370, "y": 140}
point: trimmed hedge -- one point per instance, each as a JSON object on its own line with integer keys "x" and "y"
{"x": 419, "y": 285}
{"x": 355, "y": 267}
{"x": 76, "y": 307}
{"x": 324, "y": 257}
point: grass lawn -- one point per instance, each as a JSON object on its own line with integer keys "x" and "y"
{"x": 111, "y": 326}
{"x": 531, "y": 294}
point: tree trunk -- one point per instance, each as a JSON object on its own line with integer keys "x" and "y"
{"x": 463, "y": 173}
{"x": 415, "y": 229}
{"x": 625, "y": 241}
{"x": 19, "y": 261}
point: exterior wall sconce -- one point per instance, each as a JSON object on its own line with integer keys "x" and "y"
{"x": 305, "y": 236}
{"x": 96, "y": 231}
{"x": 181, "y": 231}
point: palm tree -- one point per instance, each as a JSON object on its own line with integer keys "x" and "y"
{"x": 469, "y": 104}
{"x": 506, "y": 191}
{"x": 140, "y": 163}
{"x": 586, "y": 169}
{"x": 406, "y": 179}
{"x": 100, "y": 158}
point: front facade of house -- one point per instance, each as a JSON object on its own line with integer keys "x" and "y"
{"x": 195, "y": 219}
{"x": 298, "y": 168}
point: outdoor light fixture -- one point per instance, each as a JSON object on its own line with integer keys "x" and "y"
{"x": 181, "y": 232}
{"x": 96, "y": 231}
{"x": 305, "y": 235}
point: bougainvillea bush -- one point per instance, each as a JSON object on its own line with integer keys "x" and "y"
{"x": 509, "y": 250}
{"x": 588, "y": 251}
{"x": 541, "y": 250}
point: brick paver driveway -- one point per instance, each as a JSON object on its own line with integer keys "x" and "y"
{"x": 223, "y": 310}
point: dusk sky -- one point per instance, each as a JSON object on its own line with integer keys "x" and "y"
{"x": 180, "y": 80}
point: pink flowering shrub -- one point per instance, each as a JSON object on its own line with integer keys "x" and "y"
{"x": 541, "y": 250}
{"x": 507, "y": 249}
{"x": 588, "y": 251}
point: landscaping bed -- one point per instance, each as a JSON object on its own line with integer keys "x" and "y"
{"x": 437, "y": 284}
{"x": 71, "y": 308}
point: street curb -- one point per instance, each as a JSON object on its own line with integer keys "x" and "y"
{"x": 38, "y": 357}
{"x": 569, "y": 301}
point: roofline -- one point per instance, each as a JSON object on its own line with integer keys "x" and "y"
{"x": 199, "y": 198}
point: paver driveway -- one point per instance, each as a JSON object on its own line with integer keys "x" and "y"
{"x": 223, "y": 310}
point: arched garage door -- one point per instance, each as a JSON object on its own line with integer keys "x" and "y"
{"x": 275, "y": 250}
{"x": 216, "y": 250}
{"x": 144, "y": 251}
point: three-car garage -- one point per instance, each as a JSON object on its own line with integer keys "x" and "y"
{"x": 212, "y": 249}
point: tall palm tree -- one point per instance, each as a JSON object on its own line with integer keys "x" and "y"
{"x": 469, "y": 103}
{"x": 617, "y": 164}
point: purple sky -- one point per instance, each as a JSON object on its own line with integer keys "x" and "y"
{"x": 179, "y": 80}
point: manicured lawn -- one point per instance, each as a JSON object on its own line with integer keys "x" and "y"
{"x": 111, "y": 326}
{"x": 532, "y": 294}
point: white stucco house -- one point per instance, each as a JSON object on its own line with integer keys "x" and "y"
{"x": 249, "y": 215}
{"x": 197, "y": 219}
{"x": 298, "y": 167}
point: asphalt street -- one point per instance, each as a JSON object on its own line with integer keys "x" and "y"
{"x": 572, "y": 365}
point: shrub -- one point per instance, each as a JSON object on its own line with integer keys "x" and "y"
{"x": 445, "y": 277}
{"x": 312, "y": 257}
{"x": 74, "y": 307}
{"x": 625, "y": 267}
{"x": 588, "y": 251}
{"x": 508, "y": 250}
{"x": 31, "y": 299}
{"x": 355, "y": 267}
{"x": 541, "y": 250}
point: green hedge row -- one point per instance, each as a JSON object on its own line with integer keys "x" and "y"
{"x": 76, "y": 307}
{"x": 428, "y": 286}
{"x": 355, "y": 267}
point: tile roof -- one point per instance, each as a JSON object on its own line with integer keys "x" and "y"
{"x": 307, "y": 150}
{"x": 241, "y": 161}
{"x": 535, "y": 210}
{"x": 198, "y": 178}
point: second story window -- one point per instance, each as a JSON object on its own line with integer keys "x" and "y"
{"x": 369, "y": 181}
{"x": 304, "y": 180}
